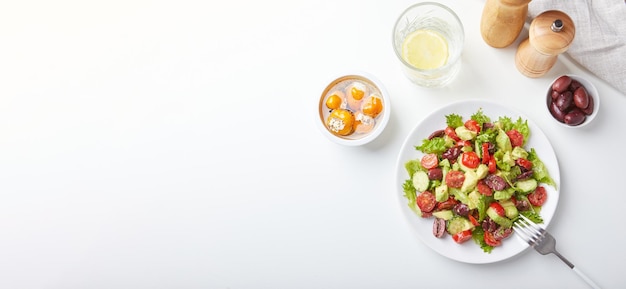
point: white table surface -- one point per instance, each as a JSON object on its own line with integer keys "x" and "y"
{"x": 172, "y": 144}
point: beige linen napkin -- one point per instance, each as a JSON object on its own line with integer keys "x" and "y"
{"x": 600, "y": 41}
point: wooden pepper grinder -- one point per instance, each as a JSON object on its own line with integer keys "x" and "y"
{"x": 549, "y": 35}
{"x": 502, "y": 21}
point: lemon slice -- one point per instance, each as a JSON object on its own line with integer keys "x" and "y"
{"x": 425, "y": 49}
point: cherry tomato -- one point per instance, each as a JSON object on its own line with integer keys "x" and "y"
{"x": 472, "y": 125}
{"x": 473, "y": 220}
{"x": 470, "y": 160}
{"x": 517, "y": 139}
{"x": 538, "y": 197}
{"x": 430, "y": 161}
{"x": 492, "y": 165}
{"x": 490, "y": 240}
{"x": 498, "y": 208}
{"x": 426, "y": 201}
{"x": 449, "y": 131}
{"x": 455, "y": 179}
{"x": 447, "y": 204}
{"x": 528, "y": 165}
{"x": 484, "y": 189}
{"x": 485, "y": 151}
{"x": 464, "y": 143}
{"x": 462, "y": 236}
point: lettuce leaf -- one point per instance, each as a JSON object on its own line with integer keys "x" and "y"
{"x": 454, "y": 120}
{"x": 411, "y": 195}
{"x": 540, "y": 172}
{"x": 435, "y": 145}
{"x": 480, "y": 117}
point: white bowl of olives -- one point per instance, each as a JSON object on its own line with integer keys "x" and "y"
{"x": 573, "y": 101}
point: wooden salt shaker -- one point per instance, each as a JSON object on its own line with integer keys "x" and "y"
{"x": 549, "y": 35}
{"x": 502, "y": 21}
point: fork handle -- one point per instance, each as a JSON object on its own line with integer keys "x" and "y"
{"x": 584, "y": 277}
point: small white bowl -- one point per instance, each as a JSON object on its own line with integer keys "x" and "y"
{"x": 591, "y": 91}
{"x": 343, "y": 85}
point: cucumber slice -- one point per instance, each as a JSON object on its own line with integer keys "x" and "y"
{"x": 526, "y": 186}
{"x": 420, "y": 181}
{"x": 445, "y": 214}
{"x": 458, "y": 224}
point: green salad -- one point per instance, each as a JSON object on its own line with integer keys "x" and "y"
{"x": 475, "y": 177}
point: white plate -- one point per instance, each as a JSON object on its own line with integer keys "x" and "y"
{"x": 469, "y": 252}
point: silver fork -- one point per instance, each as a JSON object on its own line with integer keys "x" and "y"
{"x": 538, "y": 238}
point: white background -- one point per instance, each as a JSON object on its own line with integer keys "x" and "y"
{"x": 173, "y": 144}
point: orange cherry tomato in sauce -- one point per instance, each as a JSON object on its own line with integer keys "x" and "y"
{"x": 470, "y": 160}
{"x": 334, "y": 101}
{"x": 372, "y": 106}
{"x": 429, "y": 161}
{"x": 538, "y": 197}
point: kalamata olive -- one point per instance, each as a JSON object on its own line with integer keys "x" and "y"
{"x": 562, "y": 83}
{"x": 489, "y": 225}
{"x": 502, "y": 233}
{"x": 575, "y": 117}
{"x": 437, "y": 133}
{"x": 564, "y": 101}
{"x": 556, "y": 112}
{"x": 439, "y": 227}
{"x": 522, "y": 205}
{"x": 554, "y": 94}
{"x": 452, "y": 154}
{"x": 581, "y": 98}
{"x": 589, "y": 109}
{"x": 435, "y": 174}
{"x": 461, "y": 209}
{"x": 495, "y": 182}
{"x": 574, "y": 85}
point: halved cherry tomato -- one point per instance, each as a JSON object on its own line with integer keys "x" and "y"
{"x": 498, "y": 208}
{"x": 464, "y": 143}
{"x": 430, "y": 161}
{"x": 517, "y": 139}
{"x": 484, "y": 189}
{"x": 485, "y": 151}
{"x": 455, "y": 179}
{"x": 473, "y": 220}
{"x": 470, "y": 160}
{"x": 462, "y": 236}
{"x": 449, "y": 131}
{"x": 447, "y": 204}
{"x": 538, "y": 197}
{"x": 472, "y": 125}
{"x": 528, "y": 165}
{"x": 490, "y": 240}
{"x": 492, "y": 165}
{"x": 426, "y": 201}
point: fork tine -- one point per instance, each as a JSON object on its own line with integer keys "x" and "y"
{"x": 528, "y": 230}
